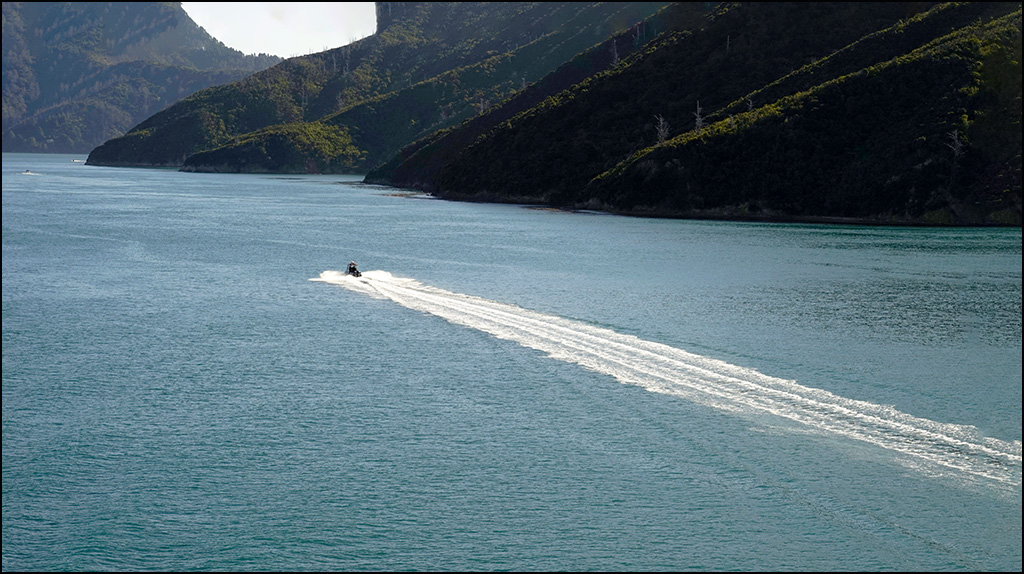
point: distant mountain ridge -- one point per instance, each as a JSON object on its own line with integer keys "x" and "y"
{"x": 76, "y": 74}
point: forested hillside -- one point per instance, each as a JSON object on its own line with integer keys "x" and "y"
{"x": 431, "y": 65}
{"x": 888, "y": 113}
{"x": 897, "y": 112}
{"x": 76, "y": 74}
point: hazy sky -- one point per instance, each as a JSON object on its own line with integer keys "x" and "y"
{"x": 284, "y": 29}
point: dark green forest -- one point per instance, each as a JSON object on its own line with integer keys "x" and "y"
{"x": 868, "y": 114}
{"x": 890, "y": 113}
{"x": 931, "y": 136}
{"x": 76, "y": 74}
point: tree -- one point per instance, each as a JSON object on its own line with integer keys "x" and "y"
{"x": 662, "y": 128}
{"x": 957, "y": 145}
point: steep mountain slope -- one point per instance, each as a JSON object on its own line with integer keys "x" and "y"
{"x": 78, "y": 73}
{"x": 932, "y": 136}
{"x": 430, "y": 65}
{"x": 795, "y": 111}
{"x": 418, "y": 164}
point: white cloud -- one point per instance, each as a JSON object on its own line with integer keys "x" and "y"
{"x": 284, "y": 28}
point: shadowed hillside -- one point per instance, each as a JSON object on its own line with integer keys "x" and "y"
{"x": 894, "y": 113}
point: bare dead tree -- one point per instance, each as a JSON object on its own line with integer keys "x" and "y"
{"x": 957, "y": 145}
{"x": 661, "y": 127}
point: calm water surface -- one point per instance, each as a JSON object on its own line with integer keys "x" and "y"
{"x": 505, "y": 388}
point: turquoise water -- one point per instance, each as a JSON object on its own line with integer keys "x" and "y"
{"x": 188, "y": 384}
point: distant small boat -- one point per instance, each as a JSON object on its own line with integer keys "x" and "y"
{"x": 78, "y": 161}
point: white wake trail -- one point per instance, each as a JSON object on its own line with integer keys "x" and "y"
{"x": 664, "y": 369}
